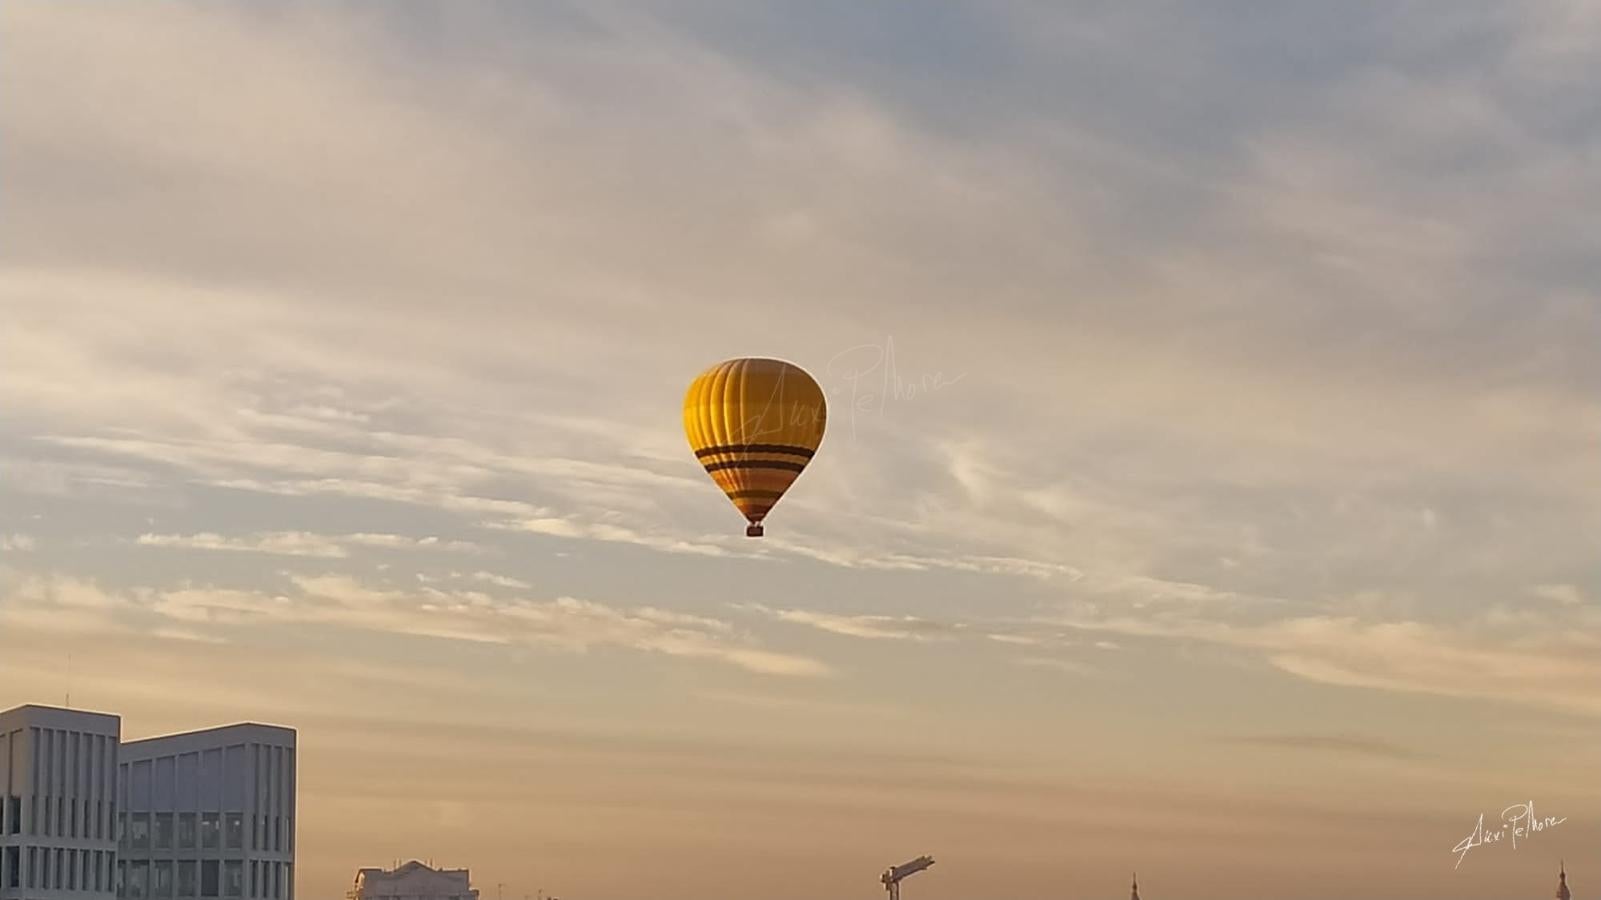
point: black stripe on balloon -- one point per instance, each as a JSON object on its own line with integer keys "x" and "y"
{"x": 756, "y": 464}
{"x": 791, "y": 449}
{"x": 753, "y": 493}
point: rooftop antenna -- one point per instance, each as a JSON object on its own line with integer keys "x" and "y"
{"x": 69, "y": 681}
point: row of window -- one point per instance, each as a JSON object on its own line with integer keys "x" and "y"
{"x": 57, "y": 869}
{"x": 57, "y": 817}
{"x": 204, "y": 831}
{"x": 166, "y": 879}
{"x": 70, "y": 869}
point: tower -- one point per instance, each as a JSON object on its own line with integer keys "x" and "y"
{"x": 1562, "y": 882}
{"x": 1134, "y": 888}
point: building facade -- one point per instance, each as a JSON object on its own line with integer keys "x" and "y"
{"x": 412, "y": 881}
{"x": 58, "y": 771}
{"x": 208, "y": 814}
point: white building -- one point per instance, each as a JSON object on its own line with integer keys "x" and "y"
{"x": 58, "y": 770}
{"x": 208, "y": 814}
{"x": 412, "y": 881}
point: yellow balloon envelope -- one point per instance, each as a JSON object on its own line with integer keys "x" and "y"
{"x": 754, "y": 424}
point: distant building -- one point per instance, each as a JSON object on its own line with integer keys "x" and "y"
{"x": 208, "y": 814}
{"x": 1134, "y": 887}
{"x": 1562, "y": 882}
{"x": 412, "y": 881}
{"x": 58, "y": 776}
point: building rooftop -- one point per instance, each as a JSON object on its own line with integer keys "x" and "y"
{"x": 62, "y": 709}
{"x": 212, "y": 730}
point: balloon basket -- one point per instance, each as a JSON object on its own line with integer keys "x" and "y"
{"x": 753, "y": 531}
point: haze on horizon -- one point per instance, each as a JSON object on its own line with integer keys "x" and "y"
{"x": 1235, "y": 519}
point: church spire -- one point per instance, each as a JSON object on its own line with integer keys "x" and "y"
{"x": 1562, "y": 882}
{"x": 1134, "y": 889}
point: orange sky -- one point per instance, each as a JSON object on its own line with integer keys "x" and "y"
{"x": 1209, "y": 486}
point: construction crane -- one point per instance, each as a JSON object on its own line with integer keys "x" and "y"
{"x": 892, "y": 878}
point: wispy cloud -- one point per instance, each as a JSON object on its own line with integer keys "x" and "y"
{"x": 1070, "y": 666}
{"x": 17, "y": 543}
{"x": 1328, "y": 743}
{"x": 304, "y": 543}
{"x": 1548, "y": 663}
{"x": 574, "y": 625}
{"x": 289, "y": 543}
{"x": 900, "y": 628}
{"x": 505, "y": 581}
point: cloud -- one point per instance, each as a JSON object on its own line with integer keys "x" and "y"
{"x": 1072, "y": 667}
{"x": 288, "y": 543}
{"x": 1548, "y": 663}
{"x": 1328, "y": 743}
{"x": 403, "y": 542}
{"x": 1564, "y": 594}
{"x": 1286, "y": 374}
{"x": 602, "y": 531}
{"x": 185, "y": 634}
{"x": 303, "y": 543}
{"x": 902, "y": 628}
{"x": 1022, "y": 640}
{"x": 205, "y": 613}
{"x": 504, "y": 581}
{"x": 17, "y": 543}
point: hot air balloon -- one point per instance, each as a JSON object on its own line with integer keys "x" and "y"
{"x": 754, "y": 424}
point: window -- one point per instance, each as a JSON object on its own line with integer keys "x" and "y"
{"x": 210, "y": 833}
{"x": 186, "y": 878}
{"x": 16, "y": 815}
{"x": 122, "y": 831}
{"x": 233, "y": 878}
{"x": 13, "y": 867}
{"x": 208, "y": 878}
{"x": 161, "y": 879}
{"x": 72, "y": 870}
{"x": 139, "y": 831}
{"x": 235, "y": 831}
{"x": 163, "y": 835}
{"x": 186, "y": 832}
{"x": 255, "y": 875}
{"x": 138, "y": 880}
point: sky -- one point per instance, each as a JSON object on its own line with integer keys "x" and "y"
{"x": 1209, "y": 488}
